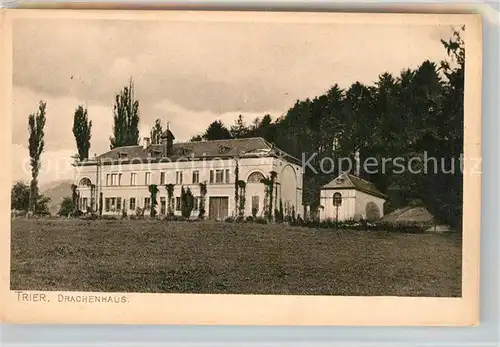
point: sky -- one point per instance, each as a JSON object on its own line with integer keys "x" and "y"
{"x": 190, "y": 73}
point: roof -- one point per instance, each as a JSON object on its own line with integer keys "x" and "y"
{"x": 168, "y": 134}
{"x": 409, "y": 214}
{"x": 348, "y": 181}
{"x": 255, "y": 146}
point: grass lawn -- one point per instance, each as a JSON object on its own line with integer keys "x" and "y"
{"x": 210, "y": 257}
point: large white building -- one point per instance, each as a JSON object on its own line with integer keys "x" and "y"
{"x": 349, "y": 197}
{"x": 122, "y": 176}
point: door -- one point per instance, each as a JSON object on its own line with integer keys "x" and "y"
{"x": 218, "y": 208}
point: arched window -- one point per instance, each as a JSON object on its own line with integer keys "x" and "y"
{"x": 85, "y": 182}
{"x": 255, "y": 177}
{"x": 337, "y": 199}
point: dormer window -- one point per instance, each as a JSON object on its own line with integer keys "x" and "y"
{"x": 224, "y": 149}
{"x": 155, "y": 153}
{"x": 185, "y": 151}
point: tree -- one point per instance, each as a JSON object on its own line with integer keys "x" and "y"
{"x": 20, "y": 199}
{"x": 242, "y": 197}
{"x": 203, "y": 193}
{"x": 216, "y": 131}
{"x": 236, "y": 185}
{"x": 153, "y": 190}
{"x": 36, "y": 124}
{"x": 126, "y": 119}
{"x": 100, "y": 204}
{"x": 82, "y": 131}
{"x": 67, "y": 207}
{"x": 170, "y": 193}
{"x": 74, "y": 196}
{"x": 187, "y": 202}
{"x": 239, "y": 129}
{"x": 272, "y": 176}
{"x": 156, "y": 132}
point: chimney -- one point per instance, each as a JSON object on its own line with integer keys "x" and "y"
{"x": 146, "y": 142}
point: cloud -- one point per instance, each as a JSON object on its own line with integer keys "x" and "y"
{"x": 212, "y": 66}
{"x": 56, "y": 165}
{"x": 59, "y": 140}
{"x": 192, "y": 73}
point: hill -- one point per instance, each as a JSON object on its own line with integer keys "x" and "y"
{"x": 56, "y": 191}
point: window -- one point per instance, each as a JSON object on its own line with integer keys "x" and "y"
{"x": 114, "y": 179}
{"x": 163, "y": 205}
{"x": 133, "y": 179}
{"x": 113, "y": 203}
{"x": 107, "y": 180}
{"x": 337, "y": 199}
{"x": 107, "y": 204}
{"x": 227, "y": 175}
{"x": 211, "y": 176}
{"x": 85, "y": 182}
{"x": 132, "y": 204}
{"x": 178, "y": 177}
{"x": 196, "y": 176}
{"x": 196, "y": 203}
{"x": 119, "y": 179}
{"x": 255, "y": 177}
{"x": 255, "y": 204}
{"x": 177, "y": 203}
{"x": 147, "y": 203}
{"x": 118, "y": 204}
{"x": 147, "y": 178}
{"x": 219, "y": 176}
{"x": 162, "y": 178}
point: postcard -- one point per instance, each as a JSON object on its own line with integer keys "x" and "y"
{"x": 240, "y": 168}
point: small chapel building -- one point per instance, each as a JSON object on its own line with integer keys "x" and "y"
{"x": 349, "y": 197}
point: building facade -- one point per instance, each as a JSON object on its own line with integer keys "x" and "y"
{"x": 349, "y": 197}
{"x": 123, "y": 177}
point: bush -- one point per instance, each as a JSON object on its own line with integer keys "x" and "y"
{"x": 91, "y": 216}
{"x": 201, "y": 214}
{"x": 260, "y": 220}
{"x": 174, "y": 218}
{"x": 78, "y": 213}
{"x": 250, "y": 219}
{"x": 139, "y": 212}
{"x": 108, "y": 217}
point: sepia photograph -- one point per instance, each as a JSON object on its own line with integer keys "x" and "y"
{"x": 255, "y": 155}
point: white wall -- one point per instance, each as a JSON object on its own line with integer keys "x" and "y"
{"x": 362, "y": 199}
{"x": 353, "y": 204}
{"x": 345, "y": 211}
{"x": 291, "y": 189}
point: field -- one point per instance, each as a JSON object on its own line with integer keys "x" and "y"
{"x": 210, "y": 257}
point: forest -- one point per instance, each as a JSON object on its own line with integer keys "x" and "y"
{"x": 416, "y": 115}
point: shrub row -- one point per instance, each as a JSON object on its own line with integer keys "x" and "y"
{"x": 361, "y": 225}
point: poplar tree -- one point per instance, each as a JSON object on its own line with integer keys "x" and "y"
{"x": 126, "y": 118}
{"x": 36, "y": 124}
{"x": 82, "y": 132}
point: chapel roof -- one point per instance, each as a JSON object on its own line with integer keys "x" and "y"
{"x": 348, "y": 181}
